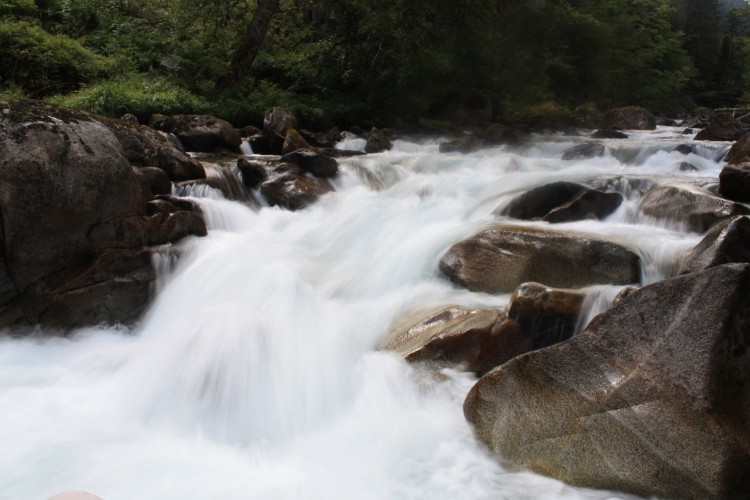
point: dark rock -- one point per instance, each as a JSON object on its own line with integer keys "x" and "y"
{"x": 161, "y": 122}
{"x": 740, "y": 151}
{"x": 584, "y": 151}
{"x": 205, "y": 133}
{"x": 466, "y": 144}
{"x": 313, "y": 162}
{"x": 452, "y": 335}
{"x": 665, "y": 122}
{"x": 322, "y": 140}
{"x": 545, "y": 315}
{"x": 734, "y": 182}
{"x": 157, "y": 180}
{"x": 293, "y": 141}
{"x": 129, "y": 117}
{"x": 588, "y": 116}
{"x": 608, "y": 134}
{"x": 549, "y": 115}
{"x": 697, "y": 209}
{"x": 294, "y": 192}
{"x": 723, "y": 127}
{"x": 587, "y": 204}
{"x": 687, "y": 167}
{"x": 727, "y": 242}
{"x": 253, "y": 172}
{"x": 688, "y": 131}
{"x": 685, "y": 149}
{"x": 377, "y": 142}
{"x": 537, "y": 202}
{"x": 250, "y": 131}
{"x": 276, "y": 122}
{"x": 744, "y": 119}
{"x": 171, "y": 204}
{"x": 629, "y": 118}
{"x": 497, "y": 260}
{"x": 178, "y": 166}
{"x": 259, "y": 144}
{"x": 652, "y": 398}
{"x": 340, "y": 153}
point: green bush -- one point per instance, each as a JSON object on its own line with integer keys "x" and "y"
{"x": 139, "y": 94}
{"x": 42, "y": 63}
{"x": 18, "y": 7}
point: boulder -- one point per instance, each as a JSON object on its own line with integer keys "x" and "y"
{"x": 545, "y": 315}
{"x": 549, "y": 115}
{"x": 583, "y": 151}
{"x": 276, "y": 122}
{"x": 294, "y": 192}
{"x": 629, "y": 118}
{"x": 449, "y": 335}
{"x": 653, "y": 398}
{"x": 205, "y": 133}
{"x": 608, "y": 134}
{"x": 687, "y": 167}
{"x": 253, "y": 172}
{"x": 294, "y": 141}
{"x": 499, "y": 259}
{"x": 588, "y": 116}
{"x": 464, "y": 145}
{"x": 325, "y": 140}
{"x": 693, "y": 207}
{"x": 537, "y": 202}
{"x": 157, "y": 180}
{"x": 723, "y": 127}
{"x": 740, "y": 151}
{"x": 734, "y": 182}
{"x": 587, "y": 204}
{"x": 313, "y": 162}
{"x": 377, "y": 142}
{"x": 727, "y": 242}
{"x": 180, "y": 167}
{"x": 685, "y": 149}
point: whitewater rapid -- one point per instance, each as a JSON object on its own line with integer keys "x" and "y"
{"x": 253, "y": 374}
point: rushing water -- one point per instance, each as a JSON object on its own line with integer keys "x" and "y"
{"x": 254, "y": 375}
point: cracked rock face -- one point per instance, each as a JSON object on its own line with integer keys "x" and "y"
{"x": 652, "y": 398}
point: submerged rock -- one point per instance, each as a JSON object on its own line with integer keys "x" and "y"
{"x": 652, "y": 398}
{"x": 497, "y": 260}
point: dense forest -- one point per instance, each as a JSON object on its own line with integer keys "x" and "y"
{"x": 388, "y": 61}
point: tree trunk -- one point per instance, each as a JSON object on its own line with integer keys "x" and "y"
{"x": 250, "y": 45}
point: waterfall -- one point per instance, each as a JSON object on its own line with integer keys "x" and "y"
{"x": 254, "y": 372}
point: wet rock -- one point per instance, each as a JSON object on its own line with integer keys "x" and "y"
{"x": 629, "y": 118}
{"x": 313, "y": 162}
{"x": 340, "y": 153}
{"x": 253, "y": 172}
{"x": 650, "y": 399}
{"x": 545, "y": 315}
{"x": 740, "y": 151}
{"x": 723, "y": 127}
{"x": 687, "y": 167}
{"x": 587, "y": 204}
{"x": 249, "y": 131}
{"x": 727, "y": 242}
{"x": 465, "y": 145}
{"x": 685, "y": 149}
{"x": 497, "y": 260}
{"x": 584, "y": 151}
{"x": 452, "y": 335}
{"x": 157, "y": 180}
{"x": 294, "y": 141}
{"x": 294, "y": 192}
{"x": 276, "y": 122}
{"x": 324, "y": 140}
{"x": 696, "y": 208}
{"x": 734, "y": 182}
{"x": 537, "y": 202}
{"x": 178, "y": 166}
{"x": 377, "y": 142}
{"x": 205, "y": 133}
{"x": 608, "y": 134}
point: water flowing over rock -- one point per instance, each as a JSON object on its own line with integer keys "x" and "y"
{"x": 294, "y": 192}
{"x": 727, "y": 242}
{"x": 582, "y": 151}
{"x": 498, "y": 260}
{"x": 629, "y": 118}
{"x": 698, "y": 209}
{"x": 652, "y": 398}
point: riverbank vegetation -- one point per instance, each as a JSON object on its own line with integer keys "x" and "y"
{"x": 389, "y": 61}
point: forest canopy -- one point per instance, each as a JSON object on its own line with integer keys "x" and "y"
{"x": 393, "y": 61}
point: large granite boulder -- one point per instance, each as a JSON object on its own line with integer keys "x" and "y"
{"x": 317, "y": 164}
{"x": 723, "y": 127}
{"x": 734, "y": 182}
{"x": 202, "y": 132}
{"x": 740, "y": 151}
{"x": 696, "y": 209}
{"x": 727, "y": 242}
{"x": 629, "y": 118}
{"x": 653, "y": 398}
{"x": 294, "y": 191}
{"x": 562, "y": 201}
{"x": 499, "y": 259}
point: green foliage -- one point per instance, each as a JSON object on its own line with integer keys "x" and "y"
{"x": 19, "y": 8}
{"x": 42, "y": 63}
{"x": 138, "y": 94}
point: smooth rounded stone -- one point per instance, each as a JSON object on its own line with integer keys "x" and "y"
{"x": 652, "y": 398}
{"x": 725, "y": 243}
{"x": 584, "y": 151}
{"x": 294, "y": 192}
{"x": 74, "y": 495}
{"x": 205, "y": 133}
{"x": 497, "y": 260}
{"x": 608, "y": 134}
{"x": 276, "y": 122}
{"x": 685, "y": 149}
{"x": 157, "y": 180}
{"x": 629, "y": 118}
{"x": 180, "y": 167}
{"x": 464, "y": 145}
{"x": 734, "y": 182}
{"x": 587, "y": 204}
{"x": 740, "y": 151}
{"x": 687, "y": 167}
{"x": 313, "y": 162}
{"x": 448, "y": 334}
{"x": 294, "y": 141}
{"x": 377, "y": 142}
{"x": 249, "y": 131}
{"x": 537, "y": 202}
{"x": 546, "y": 315}
{"x": 253, "y": 172}
{"x": 723, "y": 127}
{"x": 693, "y": 207}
